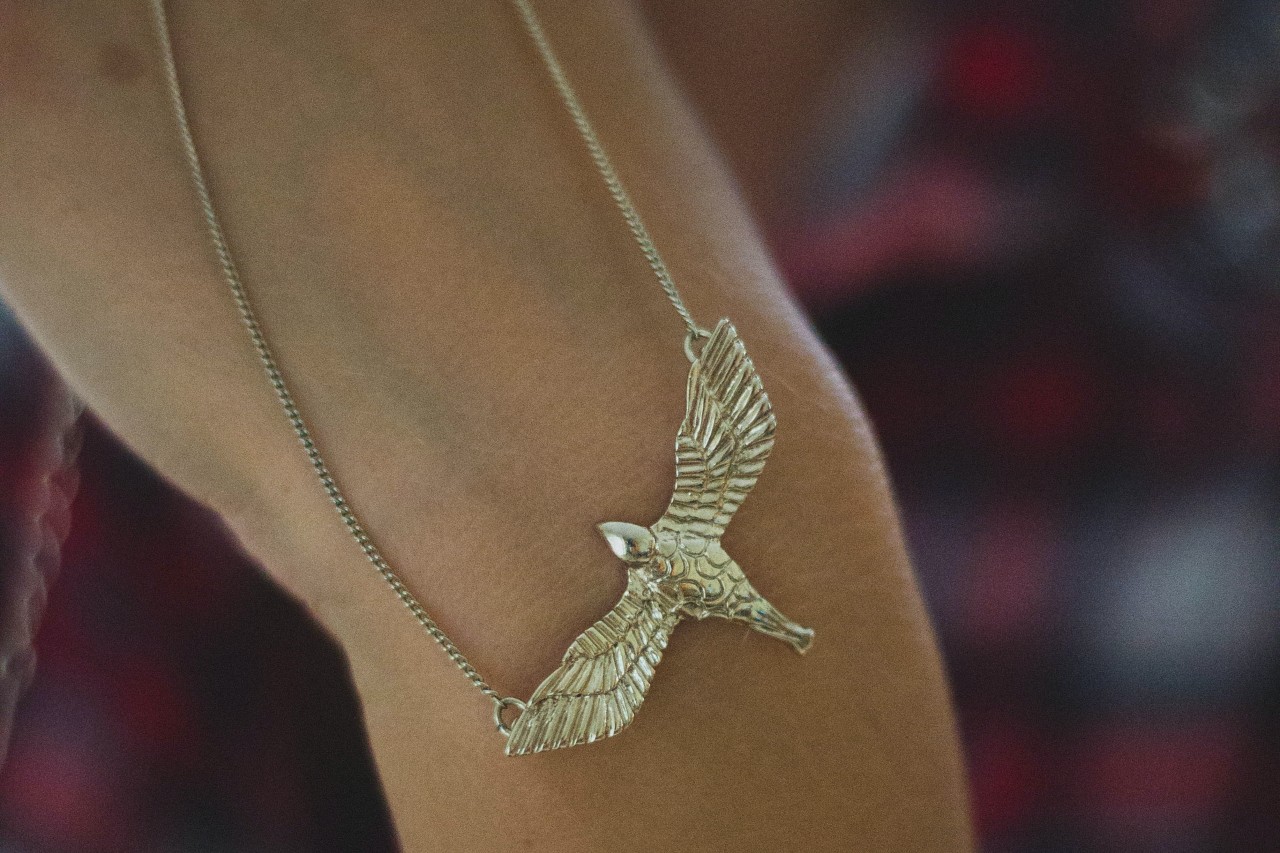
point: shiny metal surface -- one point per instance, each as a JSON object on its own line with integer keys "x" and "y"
{"x": 726, "y": 435}
{"x": 676, "y": 568}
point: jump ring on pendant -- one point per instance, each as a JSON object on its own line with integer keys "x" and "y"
{"x": 694, "y": 334}
{"x": 499, "y": 707}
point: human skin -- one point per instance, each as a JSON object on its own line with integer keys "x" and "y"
{"x": 490, "y": 370}
{"x": 762, "y": 104}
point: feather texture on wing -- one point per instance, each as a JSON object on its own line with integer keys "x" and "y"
{"x": 725, "y": 437}
{"x": 604, "y": 675}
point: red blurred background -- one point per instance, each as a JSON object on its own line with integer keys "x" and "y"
{"x": 1044, "y": 240}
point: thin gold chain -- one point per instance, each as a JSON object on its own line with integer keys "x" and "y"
{"x": 274, "y": 375}
{"x": 603, "y": 164}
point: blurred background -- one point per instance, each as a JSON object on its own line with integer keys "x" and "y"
{"x": 1044, "y": 239}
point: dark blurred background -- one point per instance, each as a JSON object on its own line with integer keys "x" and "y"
{"x": 1044, "y": 239}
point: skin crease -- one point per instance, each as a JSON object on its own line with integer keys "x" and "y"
{"x": 491, "y": 370}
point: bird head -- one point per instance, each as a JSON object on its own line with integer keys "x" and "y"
{"x": 631, "y": 542}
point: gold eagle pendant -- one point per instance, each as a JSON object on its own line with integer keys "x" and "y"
{"x": 676, "y": 568}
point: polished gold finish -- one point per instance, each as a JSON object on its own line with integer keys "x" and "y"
{"x": 675, "y": 568}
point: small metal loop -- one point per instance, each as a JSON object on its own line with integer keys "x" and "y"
{"x": 694, "y": 334}
{"x": 275, "y": 377}
{"x": 499, "y": 707}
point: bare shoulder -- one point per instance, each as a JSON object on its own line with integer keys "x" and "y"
{"x": 491, "y": 370}
{"x": 754, "y": 746}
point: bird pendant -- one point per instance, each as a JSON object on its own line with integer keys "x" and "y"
{"x": 676, "y": 568}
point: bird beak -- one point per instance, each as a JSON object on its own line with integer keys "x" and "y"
{"x": 629, "y": 542}
{"x": 617, "y": 542}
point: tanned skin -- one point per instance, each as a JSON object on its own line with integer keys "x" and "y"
{"x": 491, "y": 370}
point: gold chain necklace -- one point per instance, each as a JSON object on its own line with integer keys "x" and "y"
{"x": 675, "y": 568}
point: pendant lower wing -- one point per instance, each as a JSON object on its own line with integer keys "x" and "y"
{"x": 603, "y": 678}
{"x": 724, "y": 440}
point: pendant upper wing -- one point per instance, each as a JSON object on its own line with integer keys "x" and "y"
{"x": 724, "y": 440}
{"x": 604, "y": 675}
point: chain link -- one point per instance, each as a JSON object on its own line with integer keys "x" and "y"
{"x": 604, "y": 165}
{"x": 274, "y": 375}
